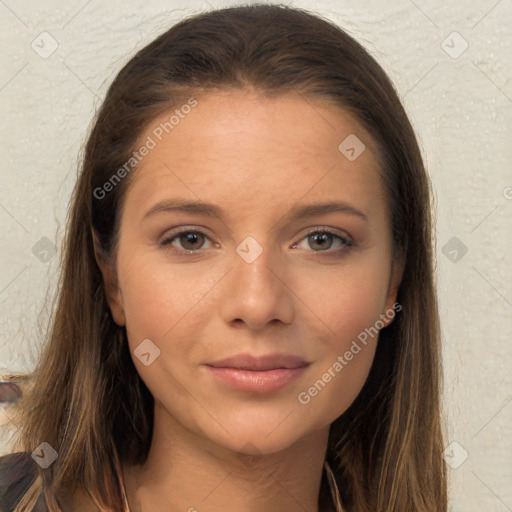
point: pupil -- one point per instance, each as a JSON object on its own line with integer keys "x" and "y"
{"x": 191, "y": 238}
{"x": 321, "y": 236}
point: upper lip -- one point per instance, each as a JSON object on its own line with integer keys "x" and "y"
{"x": 260, "y": 363}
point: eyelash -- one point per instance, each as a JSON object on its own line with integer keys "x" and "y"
{"x": 347, "y": 242}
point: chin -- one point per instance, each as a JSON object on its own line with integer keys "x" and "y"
{"x": 264, "y": 437}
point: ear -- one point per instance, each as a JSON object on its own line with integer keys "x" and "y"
{"x": 397, "y": 271}
{"x": 112, "y": 290}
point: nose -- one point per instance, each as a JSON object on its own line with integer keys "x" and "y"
{"x": 256, "y": 291}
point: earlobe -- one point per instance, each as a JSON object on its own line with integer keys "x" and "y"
{"x": 397, "y": 271}
{"x": 112, "y": 290}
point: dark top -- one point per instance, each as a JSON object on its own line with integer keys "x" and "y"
{"x": 17, "y": 472}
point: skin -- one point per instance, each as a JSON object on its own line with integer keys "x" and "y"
{"x": 255, "y": 158}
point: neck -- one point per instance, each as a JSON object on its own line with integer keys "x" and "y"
{"x": 186, "y": 472}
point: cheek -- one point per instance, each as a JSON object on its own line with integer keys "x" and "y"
{"x": 157, "y": 297}
{"x": 347, "y": 354}
{"x": 347, "y": 299}
{"x": 356, "y": 307}
{"x": 334, "y": 385}
{"x": 350, "y": 313}
{"x": 165, "y": 304}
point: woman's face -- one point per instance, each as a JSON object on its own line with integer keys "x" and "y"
{"x": 258, "y": 277}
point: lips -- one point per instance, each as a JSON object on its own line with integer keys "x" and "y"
{"x": 257, "y": 375}
{"x": 261, "y": 363}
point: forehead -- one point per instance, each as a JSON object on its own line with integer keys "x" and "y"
{"x": 238, "y": 147}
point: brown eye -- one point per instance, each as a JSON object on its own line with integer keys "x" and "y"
{"x": 189, "y": 240}
{"x": 321, "y": 240}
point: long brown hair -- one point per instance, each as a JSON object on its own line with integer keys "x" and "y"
{"x": 85, "y": 397}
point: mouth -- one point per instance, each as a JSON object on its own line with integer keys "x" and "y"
{"x": 259, "y": 375}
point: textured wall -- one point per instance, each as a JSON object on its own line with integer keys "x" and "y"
{"x": 451, "y": 66}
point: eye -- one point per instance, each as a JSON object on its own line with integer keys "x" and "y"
{"x": 190, "y": 240}
{"x": 320, "y": 240}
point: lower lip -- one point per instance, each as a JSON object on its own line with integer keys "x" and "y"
{"x": 261, "y": 382}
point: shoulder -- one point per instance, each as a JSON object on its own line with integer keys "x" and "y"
{"x": 17, "y": 472}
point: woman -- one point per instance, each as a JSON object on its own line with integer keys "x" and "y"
{"x": 206, "y": 354}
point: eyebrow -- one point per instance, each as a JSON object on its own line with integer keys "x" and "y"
{"x": 298, "y": 212}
